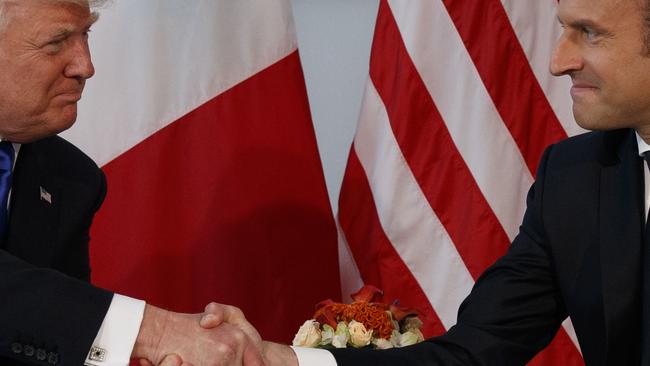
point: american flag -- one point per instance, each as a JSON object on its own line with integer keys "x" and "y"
{"x": 457, "y": 111}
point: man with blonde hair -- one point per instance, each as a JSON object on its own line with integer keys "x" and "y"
{"x": 49, "y": 313}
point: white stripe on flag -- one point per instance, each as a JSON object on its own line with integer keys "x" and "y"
{"x": 351, "y": 280}
{"x": 408, "y": 221}
{"x": 460, "y": 96}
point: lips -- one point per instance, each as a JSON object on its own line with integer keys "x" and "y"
{"x": 580, "y": 88}
{"x": 71, "y": 96}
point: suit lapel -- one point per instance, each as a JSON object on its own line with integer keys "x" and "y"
{"x": 621, "y": 223}
{"x": 34, "y": 221}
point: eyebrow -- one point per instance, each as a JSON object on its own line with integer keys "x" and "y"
{"x": 66, "y": 31}
{"x": 584, "y": 23}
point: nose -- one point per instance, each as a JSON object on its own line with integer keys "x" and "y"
{"x": 566, "y": 57}
{"x": 80, "y": 65}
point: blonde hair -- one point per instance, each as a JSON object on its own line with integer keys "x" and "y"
{"x": 93, "y": 4}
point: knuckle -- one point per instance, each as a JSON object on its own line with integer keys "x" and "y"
{"x": 238, "y": 313}
{"x": 226, "y": 352}
{"x": 239, "y": 336}
{"x": 211, "y": 307}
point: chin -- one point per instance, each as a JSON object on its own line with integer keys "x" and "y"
{"x": 590, "y": 121}
{"x": 62, "y": 122}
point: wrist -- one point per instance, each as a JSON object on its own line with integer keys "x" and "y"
{"x": 278, "y": 354}
{"x": 151, "y": 330}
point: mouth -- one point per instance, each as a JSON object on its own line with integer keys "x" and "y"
{"x": 71, "y": 97}
{"x": 579, "y": 89}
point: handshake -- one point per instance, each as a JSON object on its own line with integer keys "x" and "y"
{"x": 218, "y": 337}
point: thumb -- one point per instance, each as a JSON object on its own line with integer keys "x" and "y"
{"x": 171, "y": 360}
{"x": 209, "y": 320}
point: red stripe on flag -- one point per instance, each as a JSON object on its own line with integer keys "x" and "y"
{"x": 509, "y": 79}
{"x": 430, "y": 152}
{"x": 507, "y": 75}
{"x": 561, "y": 351}
{"x": 226, "y": 204}
{"x": 377, "y": 259}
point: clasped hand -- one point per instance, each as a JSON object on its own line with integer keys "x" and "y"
{"x": 219, "y": 337}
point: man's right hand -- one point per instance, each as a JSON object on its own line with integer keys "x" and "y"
{"x": 165, "y": 333}
{"x": 274, "y": 354}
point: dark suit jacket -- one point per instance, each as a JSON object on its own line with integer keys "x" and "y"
{"x": 49, "y": 314}
{"x": 578, "y": 253}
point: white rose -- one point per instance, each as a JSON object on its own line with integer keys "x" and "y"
{"x": 359, "y": 336}
{"x": 327, "y": 335}
{"x": 341, "y": 336}
{"x": 392, "y": 320}
{"x": 395, "y": 338}
{"x": 412, "y": 322}
{"x": 382, "y": 343}
{"x": 308, "y": 335}
{"x": 411, "y": 337}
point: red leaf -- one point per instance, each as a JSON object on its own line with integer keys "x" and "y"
{"x": 324, "y": 303}
{"x": 326, "y": 316}
{"x": 368, "y": 293}
{"x": 400, "y": 313}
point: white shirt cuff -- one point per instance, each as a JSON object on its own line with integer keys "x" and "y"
{"x": 116, "y": 337}
{"x": 314, "y": 357}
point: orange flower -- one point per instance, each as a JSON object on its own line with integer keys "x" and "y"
{"x": 373, "y": 315}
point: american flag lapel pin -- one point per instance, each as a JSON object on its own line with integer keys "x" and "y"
{"x": 45, "y": 195}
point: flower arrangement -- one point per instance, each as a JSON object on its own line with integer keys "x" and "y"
{"x": 364, "y": 323}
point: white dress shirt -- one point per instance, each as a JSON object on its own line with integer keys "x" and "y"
{"x": 116, "y": 337}
{"x": 643, "y": 147}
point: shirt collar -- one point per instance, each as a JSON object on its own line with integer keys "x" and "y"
{"x": 643, "y": 146}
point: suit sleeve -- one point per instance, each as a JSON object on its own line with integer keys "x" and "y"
{"x": 513, "y": 311}
{"x": 47, "y": 317}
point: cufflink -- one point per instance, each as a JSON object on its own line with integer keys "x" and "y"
{"x": 97, "y": 354}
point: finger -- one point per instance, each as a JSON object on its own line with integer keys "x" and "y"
{"x": 144, "y": 362}
{"x": 209, "y": 321}
{"x": 171, "y": 360}
{"x": 252, "y": 356}
{"x": 229, "y": 313}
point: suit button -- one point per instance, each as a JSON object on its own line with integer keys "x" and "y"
{"x": 29, "y": 350}
{"x": 53, "y": 358}
{"x": 41, "y": 354}
{"x": 17, "y": 348}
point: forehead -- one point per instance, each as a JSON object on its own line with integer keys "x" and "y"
{"x": 600, "y": 9}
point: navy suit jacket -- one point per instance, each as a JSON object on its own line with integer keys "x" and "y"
{"x": 578, "y": 253}
{"x": 49, "y": 314}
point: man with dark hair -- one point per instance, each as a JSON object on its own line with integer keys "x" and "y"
{"x": 49, "y": 313}
{"x": 583, "y": 249}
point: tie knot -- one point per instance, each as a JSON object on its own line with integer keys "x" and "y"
{"x": 6, "y": 155}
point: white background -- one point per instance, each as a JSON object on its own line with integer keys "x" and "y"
{"x": 334, "y": 39}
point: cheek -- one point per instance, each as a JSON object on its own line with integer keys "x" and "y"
{"x": 633, "y": 82}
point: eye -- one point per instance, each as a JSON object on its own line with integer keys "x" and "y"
{"x": 54, "y": 46}
{"x": 589, "y": 34}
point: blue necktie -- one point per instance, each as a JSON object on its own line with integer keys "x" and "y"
{"x": 6, "y": 165}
